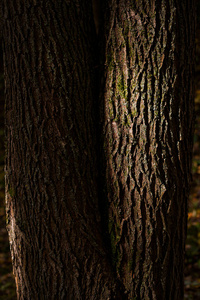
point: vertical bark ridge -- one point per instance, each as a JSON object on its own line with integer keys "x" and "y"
{"x": 51, "y": 178}
{"x": 147, "y": 125}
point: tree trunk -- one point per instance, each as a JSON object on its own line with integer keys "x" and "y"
{"x": 147, "y": 123}
{"x": 51, "y": 178}
{"x": 73, "y": 234}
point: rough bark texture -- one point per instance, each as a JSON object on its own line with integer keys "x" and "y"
{"x": 147, "y": 121}
{"x": 51, "y": 186}
{"x": 55, "y": 202}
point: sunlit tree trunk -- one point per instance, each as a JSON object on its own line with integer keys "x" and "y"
{"x": 147, "y": 124}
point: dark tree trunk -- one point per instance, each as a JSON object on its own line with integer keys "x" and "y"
{"x": 72, "y": 234}
{"x": 51, "y": 181}
{"x": 148, "y": 130}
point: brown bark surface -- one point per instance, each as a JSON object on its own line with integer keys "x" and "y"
{"x": 51, "y": 178}
{"x": 148, "y": 128}
{"x": 55, "y": 200}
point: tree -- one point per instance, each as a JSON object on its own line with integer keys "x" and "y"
{"x": 99, "y": 142}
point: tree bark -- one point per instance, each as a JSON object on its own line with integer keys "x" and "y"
{"x": 75, "y": 233}
{"x": 147, "y": 120}
{"x": 51, "y": 179}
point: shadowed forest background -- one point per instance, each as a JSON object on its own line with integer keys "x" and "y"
{"x": 192, "y": 269}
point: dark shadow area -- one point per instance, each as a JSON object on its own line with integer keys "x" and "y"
{"x": 192, "y": 262}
